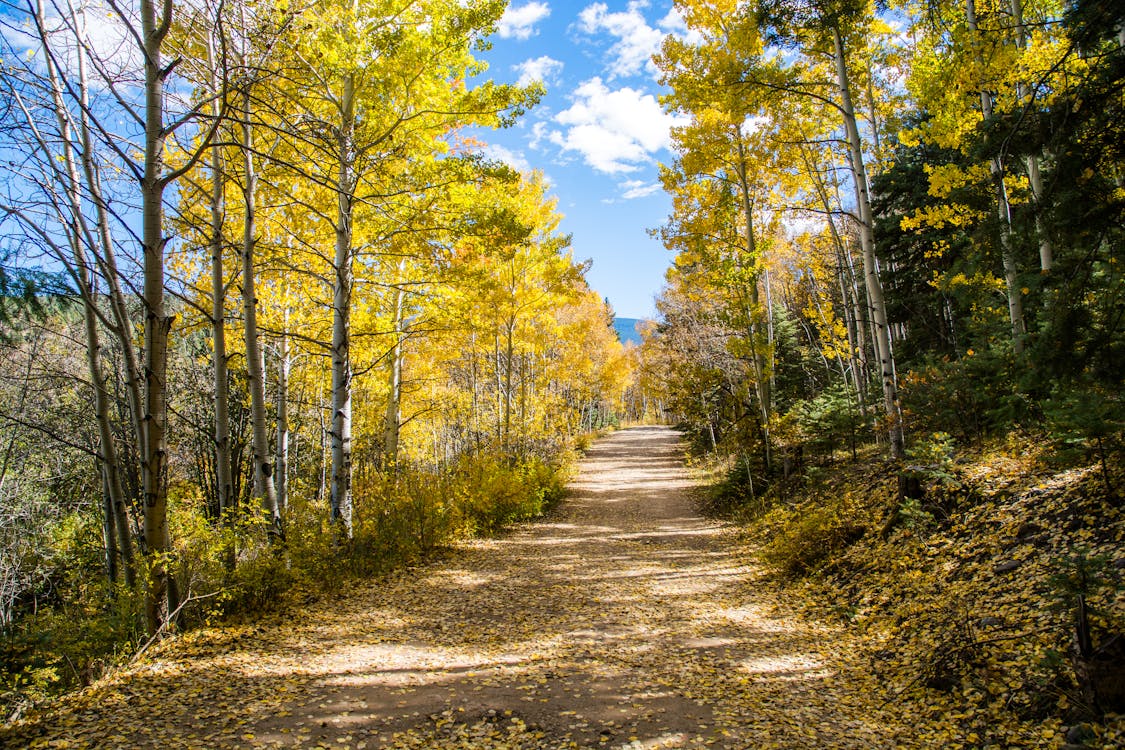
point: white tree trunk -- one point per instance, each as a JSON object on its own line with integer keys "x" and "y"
{"x": 1004, "y": 213}
{"x": 392, "y": 422}
{"x": 1035, "y": 181}
{"x": 762, "y": 377}
{"x": 224, "y": 480}
{"x": 867, "y": 243}
{"x": 163, "y": 596}
{"x": 851, "y": 317}
{"x": 283, "y": 365}
{"x": 255, "y": 363}
{"x": 118, "y": 536}
{"x": 341, "y": 430}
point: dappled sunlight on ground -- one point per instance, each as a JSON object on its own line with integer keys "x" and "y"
{"x": 625, "y": 620}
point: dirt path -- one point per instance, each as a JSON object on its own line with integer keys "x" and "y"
{"x": 625, "y": 620}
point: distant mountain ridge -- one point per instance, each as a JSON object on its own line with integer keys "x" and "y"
{"x": 627, "y": 329}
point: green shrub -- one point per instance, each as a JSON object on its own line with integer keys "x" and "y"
{"x": 829, "y": 420}
{"x": 738, "y": 494}
{"x": 67, "y": 644}
{"x": 1086, "y": 419}
{"x": 970, "y": 397}
{"x": 930, "y": 486}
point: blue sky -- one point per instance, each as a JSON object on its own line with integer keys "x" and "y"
{"x": 598, "y": 134}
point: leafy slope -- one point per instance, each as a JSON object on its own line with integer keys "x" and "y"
{"x": 964, "y": 600}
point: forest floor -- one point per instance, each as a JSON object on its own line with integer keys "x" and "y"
{"x": 622, "y": 620}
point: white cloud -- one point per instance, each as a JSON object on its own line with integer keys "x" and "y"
{"x": 545, "y": 69}
{"x": 795, "y": 226}
{"x": 615, "y": 131}
{"x": 520, "y": 22}
{"x": 538, "y": 133}
{"x": 513, "y": 159}
{"x": 636, "y": 41}
{"x": 638, "y": 189}
{"x": 673, "y": 23}
{"x": 754, "y": 123}
{"x": 105, "y": 38}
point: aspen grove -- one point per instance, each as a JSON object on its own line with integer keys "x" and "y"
{"x": 280, "y": 314}
{"x": 278, "y": 326}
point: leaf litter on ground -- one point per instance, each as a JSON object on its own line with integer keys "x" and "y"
{"x": 625, "y": 620}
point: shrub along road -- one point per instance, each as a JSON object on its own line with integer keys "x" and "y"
{"x": 622, "y": 620}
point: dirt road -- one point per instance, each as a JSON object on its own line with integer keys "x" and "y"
{"x": 625, "y": 620}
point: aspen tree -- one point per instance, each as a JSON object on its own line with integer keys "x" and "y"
{"x": 1003, "y": 205}
{"x": 224, "y": 481}
{"x": 382, "y": 82}
{"x": 118, "y": 534}
{"x": 867, "y": 244}
{"x": 154, "y": 177}
{"x": 263, "y": 463}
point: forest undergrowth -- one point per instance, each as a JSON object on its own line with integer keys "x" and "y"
{"x": 71, "y": 640}
{"x": 986, "y": 586}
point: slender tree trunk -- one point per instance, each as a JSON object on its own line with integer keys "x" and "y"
{"x": 341, "y": 432}
{"x": 873, "y": 109}
{"x": 122, "y": 327}
{"x": 861, "y": 312}
{"x": 867, "y": 243}
{"x": 771, "y": 348}
{"x": 224, "y": 481}
{"x": 762, "y": 378}
{"x": 125, "y": 546}
{"x": 118, "y": 538}
{"x": 1003, "y": 211}
{"x": 105, "y": 256}
{"x": 325, "y": 453}
{"x": 862, "y": 323}
{"x": 109, "y": 532}
{"x": 163, "y": 595}
{"x": 856, "y": 343}
{"x": 1035, "y": 180}
{"x": 105, "y": 260}
{"x": 283, "y": 366}
{"x": 508, "y": 355}
{"x": 393, "y": 420}
{"x": 499, "y": 398}
{"x": 255, "y": 361}
{"x": 523, "y": 400}
{"x": 474, "y": 379}
{"x": 115, "y": 504}
{"x": 1046, "y": 247}
{"x": 851, "y": 325}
